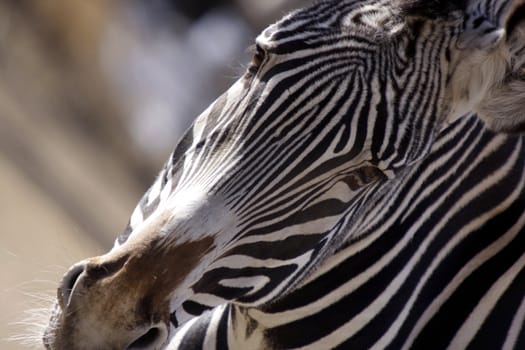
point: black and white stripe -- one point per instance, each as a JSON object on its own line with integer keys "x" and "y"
{"x": 355, "y": 218}
{"x": 442, "y": 266}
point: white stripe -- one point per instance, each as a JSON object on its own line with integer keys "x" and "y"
{"x": 517, "y": 326}
{"x": 472, "y": 324}
{"x": 175, "y": 341}
{"x": 210, "y": 340}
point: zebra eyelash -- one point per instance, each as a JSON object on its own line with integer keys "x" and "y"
{"x": 258, "y": 57}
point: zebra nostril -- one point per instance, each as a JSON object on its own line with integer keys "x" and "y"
{"x": 152, "y": 339}
{"x": 68, "y": 283}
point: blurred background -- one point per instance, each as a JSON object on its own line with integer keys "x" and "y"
{"x": 93, "y": 97}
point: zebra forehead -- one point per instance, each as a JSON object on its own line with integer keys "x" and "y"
{"x": 382, "y": 15}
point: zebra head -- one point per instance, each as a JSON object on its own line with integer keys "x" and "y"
{"x": 339, "y": 99}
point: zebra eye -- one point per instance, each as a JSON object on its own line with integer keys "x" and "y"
{"x": 259, "y": 54}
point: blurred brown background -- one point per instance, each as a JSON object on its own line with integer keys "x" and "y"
{"x": 93, "y": 97}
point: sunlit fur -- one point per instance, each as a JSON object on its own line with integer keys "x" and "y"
{"x": 298, "y": 164}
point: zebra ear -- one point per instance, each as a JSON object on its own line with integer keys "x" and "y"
{"x": 502, "y": 108}
{"x": 488, "y": 65}
{"x": 480, "y": 33}
{"x": 487, "y": 23}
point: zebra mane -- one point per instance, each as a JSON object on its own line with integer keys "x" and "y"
{"x": 433, "y": 9}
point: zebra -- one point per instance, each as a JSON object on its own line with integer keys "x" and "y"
{"x": 353, "y": 189}
{"x": 418, "y": 274}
